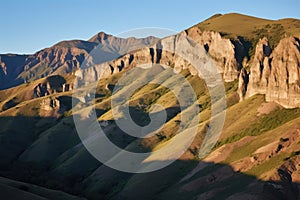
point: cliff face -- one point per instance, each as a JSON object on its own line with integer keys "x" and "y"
{"x": 275, "y": 74}
{"x": 222, "y": 50}
{"x": 260, "y": 69}
{"x": 243, "y": 83}
{"x": 284, "y": 80}
{"x": 157, "y": 53}
{"x": 55, "y": 60}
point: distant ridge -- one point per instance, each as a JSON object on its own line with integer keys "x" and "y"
{"x": 64, "y": 57}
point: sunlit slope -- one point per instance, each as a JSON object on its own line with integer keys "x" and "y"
{"x": 51, "y": 143}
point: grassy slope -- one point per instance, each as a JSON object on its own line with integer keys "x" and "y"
{"x": 234, "y": 25}
{"x": 249, "y": 30}
{"x": 241, "y": 121}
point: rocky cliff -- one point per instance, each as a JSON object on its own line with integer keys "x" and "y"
{"x": 222, "y": 51}
{"x": 274, "y": 73}
{"x": 226, "y": 53}
{"x": 64, "y": 57}
{"x": 55, "y": 60}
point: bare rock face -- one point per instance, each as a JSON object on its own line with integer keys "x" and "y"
{"x": 55, "y": 60}
{"x": 41, "y": 90}
{"x": 260, "y": 69}
{"x": 155, "y": 54}
{"x": 284, "y": 80}
{"x": 96, "y": 72}
{"x": 276, "y": 74}
{"x": 51, "y": 107}
{"x": 222, "y": 50}
{"x": 50, "y": 104}
{"x": 243, "y": 83}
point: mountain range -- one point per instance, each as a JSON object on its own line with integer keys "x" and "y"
{"x": 64, "y": 57}
{"x": 257, "y": 154}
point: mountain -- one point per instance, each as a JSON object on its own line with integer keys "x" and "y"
{"x": 257, "y": 154}
{"x": 64, "y": 57}
{"x": 273, "y": 68}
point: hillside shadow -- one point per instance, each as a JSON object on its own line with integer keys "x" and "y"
{"x": 88, "y": 177}
{"x": 214, "y": 181}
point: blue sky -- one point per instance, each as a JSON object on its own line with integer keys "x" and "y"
{"x": 28, "y": 26}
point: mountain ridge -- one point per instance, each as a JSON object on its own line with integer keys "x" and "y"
{"x": 233, "y": 56}
{"x": 255, "y": 157}
{"x": 64, "y": 57}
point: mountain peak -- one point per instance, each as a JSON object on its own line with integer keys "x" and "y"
{"x": 99, "y": 37}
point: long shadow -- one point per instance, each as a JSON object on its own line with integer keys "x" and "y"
{"x": 215, "y": 181}
{"x": 52, "y": 156}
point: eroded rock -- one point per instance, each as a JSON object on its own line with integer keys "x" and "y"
{"x": 50, "y": 104}
{"x": 275, "y": 74}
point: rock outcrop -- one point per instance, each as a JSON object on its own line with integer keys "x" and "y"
{"x": 51, "y": 107}
{"x": 66, "y": 87}
{"x": 49, "y": 104}
{"x": 222, "y": 50}
{"x": 260, "y": 69}
{"x": 50, "y": 85}
{"x": 284, "y": 80}
{"x": 243, "y": 83}
{"x": 275, "y": 74}
{"x": 41, "y": 90}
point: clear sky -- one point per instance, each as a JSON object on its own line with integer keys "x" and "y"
{"x": 30, "y": 25}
